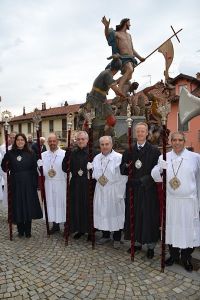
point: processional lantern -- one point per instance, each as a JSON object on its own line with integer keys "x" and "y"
{"x": 6, "y": 117}
{"x": 37, "y": 118}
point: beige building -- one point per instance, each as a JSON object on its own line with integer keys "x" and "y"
{"x": 53, "y": 120}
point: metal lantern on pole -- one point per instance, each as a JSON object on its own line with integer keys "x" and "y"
{"x": 6, "y": 117}
{"x": 129, "y": 121}
{"x": 164, "y": 110}
{"x": 67, "y": 223}
{"x": 36, "y": 120}
{"x": 90, "y": 116}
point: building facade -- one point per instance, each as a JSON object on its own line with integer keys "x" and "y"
{"x": 192, "y": 128}
{"x": 52, "y": 120}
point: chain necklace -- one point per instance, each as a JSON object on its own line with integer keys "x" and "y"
{"x": 175, "y": 182}
{"x": 103, "y": 180}
{"x": 80, "y": 171}
{"x": 51, "y": 171}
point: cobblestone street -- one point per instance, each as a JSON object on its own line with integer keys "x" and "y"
{"x": 44, "y": 268}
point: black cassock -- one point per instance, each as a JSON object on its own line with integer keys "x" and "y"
{"x": 23, "y": 185}
{"x": 79, "y": 190}
{"x": 146, "y": 203}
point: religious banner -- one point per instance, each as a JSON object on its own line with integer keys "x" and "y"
{"x": 167, "y": 50}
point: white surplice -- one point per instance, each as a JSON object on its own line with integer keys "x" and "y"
{"x": 3, "y": 177}
{"x": 55, "y": 187}
{"x": 109, "y": 206}
{"x": 183, "y": 203}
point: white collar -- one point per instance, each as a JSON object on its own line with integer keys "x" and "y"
{"x": 141, "y": 145}
{"x": 108, "y": 156}
{"x": 182, "y": 154}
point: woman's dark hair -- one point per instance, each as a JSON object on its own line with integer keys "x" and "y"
{"x": 122, "y": 23}
{"x": 26, "y": 147}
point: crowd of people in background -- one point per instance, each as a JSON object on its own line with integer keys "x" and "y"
{"x": 119, "y": 182}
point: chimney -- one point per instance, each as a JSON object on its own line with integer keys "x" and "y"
{"x": 66, "y": 103}
{"x": 43, "y": 105}
{"x": 24, "y": 112}
{"x": 198, "y": 75}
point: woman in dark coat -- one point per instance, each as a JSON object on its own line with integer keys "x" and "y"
{"x": 22, "y": 164}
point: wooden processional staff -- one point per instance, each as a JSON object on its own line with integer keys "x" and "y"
{"x": 130, "y": 177}
{"x": 36, "y": 120}
{"x": 90, "y": 116}
{"x": 67, "y": 223}
{"x": 164, "y": 111}
{"x": 6, "y": 118}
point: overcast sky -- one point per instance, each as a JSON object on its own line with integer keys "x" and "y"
{"x": 51, "y": 51}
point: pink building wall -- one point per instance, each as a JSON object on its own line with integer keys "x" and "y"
{"x": 193, "y": 133}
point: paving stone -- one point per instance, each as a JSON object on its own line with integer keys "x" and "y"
{"x": 44, "y": 268}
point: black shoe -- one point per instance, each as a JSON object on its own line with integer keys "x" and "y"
{"x": 150, "y": 253}
{"x": 20, "y": 234}
{"x": 78, "y": 235}
{"x": 187, "y": 265}
{"x": 170, "y": 261}
{"x": 136, "y": 248}
{"x": 89, "y": 238}
{"x": 55, "y": 228}
{"x": 28, "y": 235}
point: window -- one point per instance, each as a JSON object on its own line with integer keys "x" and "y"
{"x": 29, "y": 127}
{"x": 11, "y": 128}
{"x": 64, "y": 124}
{"x": 20, "y": 128}
{"x": 181, "y": 127}
{"x": 51, "y": 126}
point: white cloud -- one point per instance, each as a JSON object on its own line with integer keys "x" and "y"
{"x": 53, "y": 50}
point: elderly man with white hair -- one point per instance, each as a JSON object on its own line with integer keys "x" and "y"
{"x": 109, "y": 206}
{"x": 79, "y": 187}
{"x": 36, "y": 149}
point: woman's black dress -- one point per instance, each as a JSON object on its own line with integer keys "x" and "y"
{"x": 23, "y": 183}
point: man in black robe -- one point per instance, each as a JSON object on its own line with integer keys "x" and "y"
{"x": 79, "y": 186}
{"x": 142, "y": 159}
{"x": 35, "y": 147}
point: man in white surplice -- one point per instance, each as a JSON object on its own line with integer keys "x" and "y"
{"x": 183, "y": 200}
{"x": 3, "y": 175}
{"x": 109, "y": 206}
{"x": 55, "y": 183}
